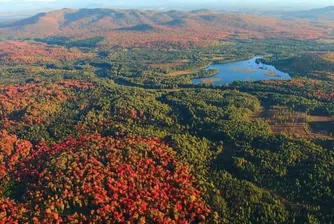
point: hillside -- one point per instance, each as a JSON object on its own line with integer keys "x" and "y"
{"x": 326, "y": 13}
{"x": 128, "y": 183}
{"x": 147, "y": 28}
{"x": 103, "y": 120}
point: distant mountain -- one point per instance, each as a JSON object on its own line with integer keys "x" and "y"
{"x": 20, "y": 14}
{"x": 130, "y": 27}
{"x": 315, "y": 14}
{"x": 140, "y": 28}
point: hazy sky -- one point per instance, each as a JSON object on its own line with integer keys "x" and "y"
{"x": 17, "y": 5}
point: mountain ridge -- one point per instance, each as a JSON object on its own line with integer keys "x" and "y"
{"x": 326, "y": 13}
{"x": 148, "y": 26}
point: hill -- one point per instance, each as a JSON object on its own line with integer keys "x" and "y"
{"x": 146, "y": 28}
{"x": 91, "y": 133}
{"x": 326, "y": 13}
{"x": 129, "y": 182}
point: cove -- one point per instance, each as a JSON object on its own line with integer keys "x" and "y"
{"x": 246, "y": 70}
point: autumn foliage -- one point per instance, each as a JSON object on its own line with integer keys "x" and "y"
{"x": 104, "y": 180}
{"x": 150, "y": 29}
{"x": 314, "y": 89}
{"x": 12, "y": 150}
{"x": 32, "y": 103}
{"x": 329, "y": 56}
{"x": 18, "y": 52}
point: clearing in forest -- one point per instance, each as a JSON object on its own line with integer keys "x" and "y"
{"x": 285, "y": 120}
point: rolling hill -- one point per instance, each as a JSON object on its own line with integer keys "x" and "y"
{"x": 146, "y": 28}
{"x": 326, "y": 13}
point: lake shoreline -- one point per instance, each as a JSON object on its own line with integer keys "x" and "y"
{"x": 251, "y": 69}
{"x": 220, "y": 63}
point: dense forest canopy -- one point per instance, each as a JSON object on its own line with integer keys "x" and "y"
{"x": 109, "y": 127}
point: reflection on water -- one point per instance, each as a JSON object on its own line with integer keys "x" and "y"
{"x": 247, "y": 70}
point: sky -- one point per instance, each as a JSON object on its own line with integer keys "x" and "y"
{"x": 20, "y": 5}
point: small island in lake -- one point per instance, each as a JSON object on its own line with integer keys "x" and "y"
{"x": 273, "y": 74}
{"x": 246, "y": 70}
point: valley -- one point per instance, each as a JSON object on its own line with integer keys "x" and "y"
{"x": 102, "y": 121}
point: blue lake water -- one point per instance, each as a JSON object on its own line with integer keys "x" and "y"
{"x": 247, "y": 70}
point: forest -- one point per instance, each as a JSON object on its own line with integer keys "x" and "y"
{"x": 93, "y": 133}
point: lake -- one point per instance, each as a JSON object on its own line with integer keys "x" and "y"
{"x": 246, "y": 70}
